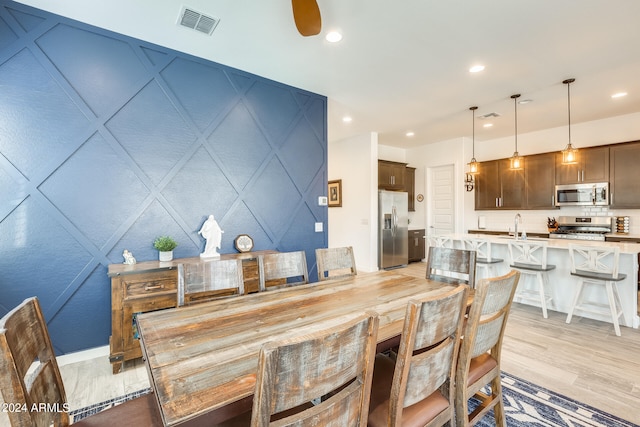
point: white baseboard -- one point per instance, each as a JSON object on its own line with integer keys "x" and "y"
{"x": 81, "y": 356}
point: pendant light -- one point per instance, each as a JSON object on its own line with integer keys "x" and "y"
{"x": 569, "y": 154}
{"x": 473, "y": 164}
{"x": 516, "y": 160}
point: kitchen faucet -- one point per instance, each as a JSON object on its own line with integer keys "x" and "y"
{"x": 518, "y": 219}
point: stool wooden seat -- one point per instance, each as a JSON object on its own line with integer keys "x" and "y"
{"x": 530, "y": 258}
{"x": 596, "y": 265}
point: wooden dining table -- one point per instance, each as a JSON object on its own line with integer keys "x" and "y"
{"x": 202, "y": 359}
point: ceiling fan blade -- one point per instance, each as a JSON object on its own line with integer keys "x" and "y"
{"x": 306, "y": 15}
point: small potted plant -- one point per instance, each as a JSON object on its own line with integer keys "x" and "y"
{"x": 165, "y": 246}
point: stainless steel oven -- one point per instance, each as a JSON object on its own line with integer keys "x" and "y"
{"x": 593, "y": 194}
{"x": 582, "y": 228}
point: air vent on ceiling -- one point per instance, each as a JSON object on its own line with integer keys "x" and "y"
{"x": 197, "y": 21}
{"x": 489, "y": 116}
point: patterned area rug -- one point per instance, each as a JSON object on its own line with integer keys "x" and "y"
{"x": 526, "y": 405}
{"x": 87, "y": 411}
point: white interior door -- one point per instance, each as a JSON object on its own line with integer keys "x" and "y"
{"x": 440, "y": 182}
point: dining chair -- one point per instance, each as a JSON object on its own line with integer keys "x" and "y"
{"x": 209, "y": 280}
{"x": 30, "y": 378}
{"x": 417, "y": 388}
{"x": 455, "y": 266}
{"x": 596, "y": 266}
{"x": 479, "y": 358}
{"x": 530, "y": 259}
{"x": 335, "y": 263}
{"x": 332, "y": 368}
{"x": 282, "y": 269}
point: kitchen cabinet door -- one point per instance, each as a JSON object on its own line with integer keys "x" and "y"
{"x": 540, "y": 176}
{"x": 487, "y": 185}
{"x": 498, "y": 186}
{"x": 512, "y": 185}
{"x": 624, "y": 161}
{"x": 592, "y": 166}
{"x": 391, "y": 175}
{"x": 410, "y": 187}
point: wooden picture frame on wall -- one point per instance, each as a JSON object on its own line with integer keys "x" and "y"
{"x": 335, "y": 193}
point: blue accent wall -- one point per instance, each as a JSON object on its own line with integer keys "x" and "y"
{"x": 107, "y": 142}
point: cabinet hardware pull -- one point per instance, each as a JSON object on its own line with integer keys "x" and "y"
{"x": 153, "y": 287}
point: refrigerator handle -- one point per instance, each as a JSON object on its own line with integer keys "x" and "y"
{"x": 394, "y": 216}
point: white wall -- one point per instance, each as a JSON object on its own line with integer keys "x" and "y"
{"x": 433, "y": 155}
{"x": 355, "y": 162}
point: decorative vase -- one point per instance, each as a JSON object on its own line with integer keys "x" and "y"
{"x": 165, "y": 255}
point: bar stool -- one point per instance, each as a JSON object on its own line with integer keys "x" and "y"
{"x": 596, "y": 265}
{"x": 484, "y": 258}
{"x": 530, "y": 259}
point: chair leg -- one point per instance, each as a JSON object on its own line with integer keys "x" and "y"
{"x": 613, "y": 307}
{"x": 462, "y": 408}
{"x": 498, "y": 409}
{"x": 543, "y": 298}
{"x": 576, "y": 298}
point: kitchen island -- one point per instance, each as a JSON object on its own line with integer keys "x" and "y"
{"x": 562, "y": 286}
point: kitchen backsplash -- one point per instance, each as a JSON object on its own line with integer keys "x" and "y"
{"x": 534, "y": 221}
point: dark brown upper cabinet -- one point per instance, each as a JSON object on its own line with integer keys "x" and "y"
{"x": 624, "y": 160}
{"x": 391, "y": 175}
{"x": 540, "y": 176}
{"x": 592, "y": 166}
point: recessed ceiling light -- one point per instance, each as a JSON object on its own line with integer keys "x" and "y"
{"x": 487, "y": 125}
{"x": 410, "y": 134}
{"x": 333, "y": 37}
{"x": 525, "y": 101}
{"x": 619, "y": 95}
{"x": 347, "y": 119}
{"x": 476, "y": 68}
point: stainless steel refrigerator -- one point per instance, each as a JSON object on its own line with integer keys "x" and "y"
{"x": 393, "y": 229}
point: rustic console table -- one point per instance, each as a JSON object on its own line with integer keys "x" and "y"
{"x": 149, "y": 286}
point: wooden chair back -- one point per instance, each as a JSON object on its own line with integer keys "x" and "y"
{"x": 427, "y": 355}
{"x": 24, "y": 341}
{"x": 335, "y": 364}
{"x": 282, "y": 269}
{"x": 335, "y": 263}
{"x": 456, "y": 266}
{"x": 209, "y": 280}
{"x": 482, "y": 342}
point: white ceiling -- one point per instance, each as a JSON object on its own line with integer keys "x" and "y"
{"x": 403, "y": 65}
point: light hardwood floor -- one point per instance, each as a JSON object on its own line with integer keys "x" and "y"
{"x": 584, "y": 360}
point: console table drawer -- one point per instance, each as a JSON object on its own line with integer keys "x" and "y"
{"x": 150, "y": 283}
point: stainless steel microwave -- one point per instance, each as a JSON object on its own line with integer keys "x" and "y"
{"x": 592, "y": 194}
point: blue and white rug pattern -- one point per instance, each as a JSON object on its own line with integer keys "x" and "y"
{"x": 87, "y": 411}
{"x": 529, "y": 405}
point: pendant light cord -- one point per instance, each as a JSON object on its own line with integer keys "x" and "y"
{"x": 473, "y": 127}
{"x": 569, "y": 107}
{"x": 515, "y": 109}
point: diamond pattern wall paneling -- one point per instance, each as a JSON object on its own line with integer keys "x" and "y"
{"x": 107, "y": 142}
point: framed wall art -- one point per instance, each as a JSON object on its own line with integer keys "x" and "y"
{"x": 335, "y": 193}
